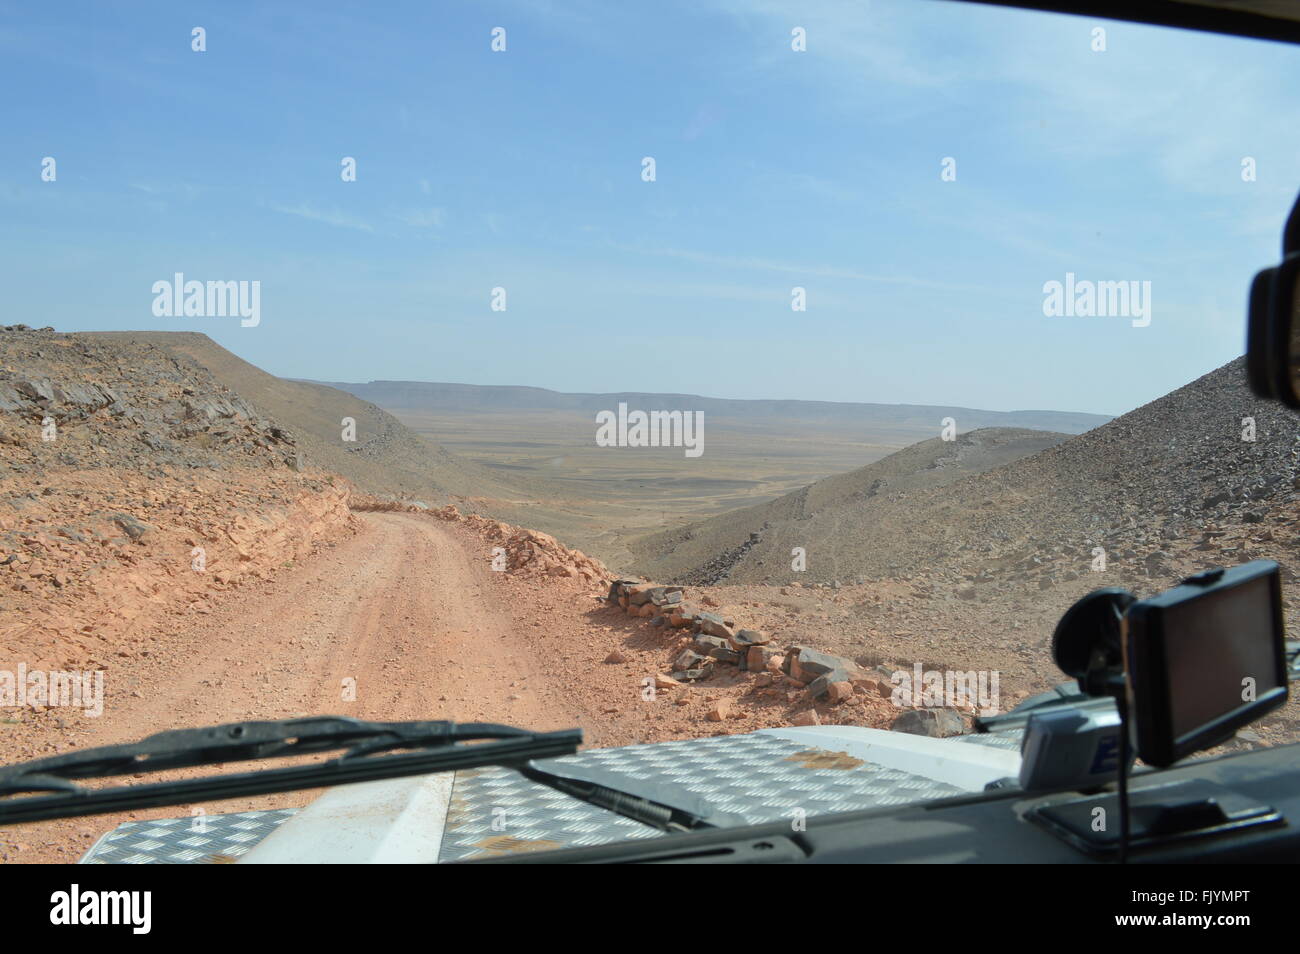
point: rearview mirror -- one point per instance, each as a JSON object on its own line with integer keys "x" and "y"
{"x": 1273, "y": 327}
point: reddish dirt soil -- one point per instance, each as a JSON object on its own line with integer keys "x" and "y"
{"x": 402, "y": 608}
{"x": 410, "y": 609}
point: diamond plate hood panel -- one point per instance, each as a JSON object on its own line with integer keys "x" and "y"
{"x": 757, "y": 778}
{"x": 197, "y": 840}
{"x": 761, "y": 777}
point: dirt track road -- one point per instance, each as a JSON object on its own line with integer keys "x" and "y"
{"x": 408, "y": 608}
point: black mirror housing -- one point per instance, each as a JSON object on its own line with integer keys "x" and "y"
{"x": 1273, "y": 325}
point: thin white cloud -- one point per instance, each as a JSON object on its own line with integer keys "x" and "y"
{"x": 184, "y": 190}
{"x": 799, "y": 270}
{"x": 423, "y": 218}
{"x": 307, "y": 211}
{"x": 879, "y": 44}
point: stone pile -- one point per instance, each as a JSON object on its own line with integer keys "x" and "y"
{"x": 710, "y": 640}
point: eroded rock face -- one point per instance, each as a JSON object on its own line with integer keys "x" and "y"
{"x": 160, "y": 489}
{"x": 112, "y": 403}
{"x": 131, "y": 483}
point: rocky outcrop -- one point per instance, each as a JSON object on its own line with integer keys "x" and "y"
{"x": 75, "y": 400}
{"x": 133, "y": 485}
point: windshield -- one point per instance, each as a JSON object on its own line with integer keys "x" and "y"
{"x": 671, "y": 372}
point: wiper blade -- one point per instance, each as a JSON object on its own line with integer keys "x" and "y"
{"x": 655, "y": 802}
{"x": 439, "y": 747}
{"x": 639, "y": 809}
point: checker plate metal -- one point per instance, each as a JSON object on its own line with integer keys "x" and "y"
{"x": 494, "y": 811}
{"x": 217, "y": 839}
{"x": 1010, "y": 741}
{"x": 758, "y": 777}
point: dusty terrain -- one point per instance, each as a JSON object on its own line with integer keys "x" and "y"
{"x": 601, "y": 499}
{"x": 159, "y": 528}
{"x": 823, "y": 517}
{"x": 132, "y": 482}
{"x": 384, "y": 456}
{"x": 379, "y": 455}
{"x": 1183, "y": 468}
{"x": 406, "y": 611}
{"x": 409, "y": 612}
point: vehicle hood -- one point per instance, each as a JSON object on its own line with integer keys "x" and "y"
{"x": 765, "y": 776}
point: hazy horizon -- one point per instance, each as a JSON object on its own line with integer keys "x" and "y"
{"x": 708, "y": 397}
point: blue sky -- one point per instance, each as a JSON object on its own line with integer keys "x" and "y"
{"x": 522, "y": 169}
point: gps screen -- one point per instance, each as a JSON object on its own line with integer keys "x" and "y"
{"x": 1221, "y": 654}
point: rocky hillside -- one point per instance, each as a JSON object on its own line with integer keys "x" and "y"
{"x": 728, "y": 547}
{"x": 1206, "y": 456}
{"x": 132, "y": 482}
{"x": 975, "y": 573}
{"x": 385, "y": 456}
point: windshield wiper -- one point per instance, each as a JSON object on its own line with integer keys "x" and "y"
{"x": 661, "y": 808}
{"x": 369, "y": 755}
{"x": 439, "y": 747}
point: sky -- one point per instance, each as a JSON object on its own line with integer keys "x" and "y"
{"x": 774, "y": 168}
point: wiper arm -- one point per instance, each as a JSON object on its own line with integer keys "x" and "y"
{"x": 440, "y": 747}
{"x": 635, "y": 807}
{"x": 660, "y": 804}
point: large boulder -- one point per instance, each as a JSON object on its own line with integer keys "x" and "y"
{"x": 716, "y": 647}
{"x": 936, "y": 723}
{"x": 639, "y": 594}
{"x": 618, "y": 591}
{"x": 744, "y": 638}
{"x": 682, "y": 616}
{"x": 834, "y": 685}
{"x": 666, "y": 596}
{"x": 757, "y": 658}
{"x": 712, "y": 624}
{"x": 689, "y": 659}
{"x": 807, "y": 664}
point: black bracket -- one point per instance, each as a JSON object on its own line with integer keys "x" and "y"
{"x": 1158, "y": 815}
